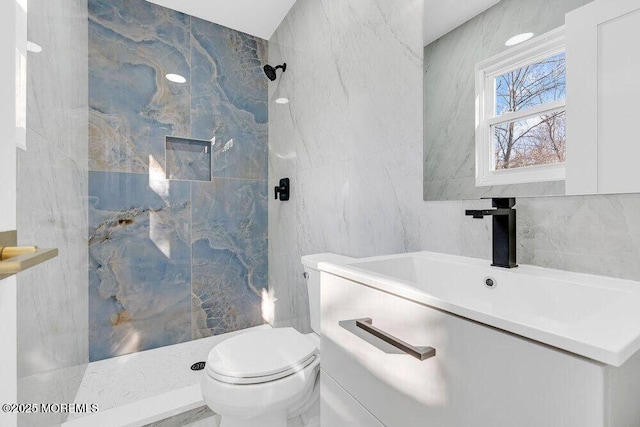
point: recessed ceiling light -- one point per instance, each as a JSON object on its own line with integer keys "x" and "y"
{"x": 176, "y": 78}
{"x": 518, "y": 39}
{"x": 33, "y": 47}
{"x": 282, "y": 101}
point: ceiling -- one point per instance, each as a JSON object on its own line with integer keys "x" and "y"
{"x": 259, "y": 18}
{"x": 442, "y": 16}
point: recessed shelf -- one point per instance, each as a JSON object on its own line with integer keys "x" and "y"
{"x": 188, "y": 159}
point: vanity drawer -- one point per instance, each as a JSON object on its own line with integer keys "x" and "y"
{"x": 339, "y": 409}
{"x": 478, "y": 377}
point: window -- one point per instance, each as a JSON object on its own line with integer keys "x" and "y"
{"x": 520, "y": 105}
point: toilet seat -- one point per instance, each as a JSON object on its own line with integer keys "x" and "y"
{"x": 261, "y": 356}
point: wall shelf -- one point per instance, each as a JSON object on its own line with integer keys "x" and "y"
{"x": 14, "y": 259}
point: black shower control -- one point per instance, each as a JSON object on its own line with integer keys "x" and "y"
{"x": 283, "y": 190}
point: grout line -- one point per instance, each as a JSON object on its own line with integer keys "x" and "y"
{"x": 190, "y": 76}
{"x": 191, "y": 263}
{"x": 186, "y": 180}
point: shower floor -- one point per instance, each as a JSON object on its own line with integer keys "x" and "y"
{"x": 146, "y": 387}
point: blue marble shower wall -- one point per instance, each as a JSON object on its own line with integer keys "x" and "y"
{"x": 173, "y": 260}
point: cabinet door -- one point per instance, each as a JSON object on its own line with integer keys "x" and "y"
{"x": 479, "y": 377}
{"x": 603, "y": 88}
{"x": 340, "y": 409}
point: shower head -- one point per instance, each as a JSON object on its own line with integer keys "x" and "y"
{"x": 271, "y": 71}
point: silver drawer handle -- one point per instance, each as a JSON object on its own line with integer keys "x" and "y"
{"x": 420, "y": 353}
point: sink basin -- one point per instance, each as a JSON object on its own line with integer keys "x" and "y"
{"x": 592, "y": 316}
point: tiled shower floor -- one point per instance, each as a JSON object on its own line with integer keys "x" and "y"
{"x": 146, "y": 387}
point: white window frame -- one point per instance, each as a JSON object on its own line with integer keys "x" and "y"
{"x": 534, "y": 50}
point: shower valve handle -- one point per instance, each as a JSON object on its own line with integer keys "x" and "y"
{"x": 283, "y": 190}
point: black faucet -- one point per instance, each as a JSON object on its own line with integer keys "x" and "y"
{"x": 504, "y": 230}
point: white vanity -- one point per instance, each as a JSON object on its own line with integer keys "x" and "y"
{"x": 526, "y": 347}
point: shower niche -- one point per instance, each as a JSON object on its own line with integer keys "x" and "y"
{"x": 188, "y": 159}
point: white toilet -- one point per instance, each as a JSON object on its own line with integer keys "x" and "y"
{"x": 265, "y": 377}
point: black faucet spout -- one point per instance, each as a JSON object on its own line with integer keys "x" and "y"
{"x": 504, "y": 230}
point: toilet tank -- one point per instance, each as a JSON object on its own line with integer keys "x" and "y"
{"x": 310, "y": 263}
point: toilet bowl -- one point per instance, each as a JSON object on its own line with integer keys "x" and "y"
{"x": 262, "y": 378}
{"x": 265, "y": 377}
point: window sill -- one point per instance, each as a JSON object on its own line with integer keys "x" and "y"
{"x": 543, "y": 173}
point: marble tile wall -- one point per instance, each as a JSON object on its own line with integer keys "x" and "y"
{"x": 173, "y": 259}
{"x": 12, "y": 31}
{"x": 229, "y": 255}
{"x": 52, "y": 209}
{"x": 351, "y": 141}
{"x": 140, "y": 264}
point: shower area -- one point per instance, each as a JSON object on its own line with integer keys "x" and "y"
{"x": 177, "y": 178}
{"x": 146, "y": 165}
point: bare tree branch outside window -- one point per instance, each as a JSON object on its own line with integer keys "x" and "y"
{"x": 539, "y": 139}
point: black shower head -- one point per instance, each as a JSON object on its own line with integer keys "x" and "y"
{"x": 271, "y": 71}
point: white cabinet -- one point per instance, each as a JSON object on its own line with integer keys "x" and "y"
{"x": 603, "y": 88}
{"x": 339, "y": 409}
{"x": 479, "y": 377}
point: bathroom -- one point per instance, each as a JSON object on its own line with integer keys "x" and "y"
{"x": 145, "y": 142}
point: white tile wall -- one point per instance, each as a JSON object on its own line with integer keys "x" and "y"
{"x": 350, "y": 140}
{"x": 52, "y": 322}
{"x": 8, "y": 312}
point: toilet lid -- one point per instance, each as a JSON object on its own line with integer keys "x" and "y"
{"x": 260, "y": 356}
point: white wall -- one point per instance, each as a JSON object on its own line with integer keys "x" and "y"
{"x": 8, "y": 358}
{"x": 351, "y": 141}
{"x": 52, "y": 210}
{"x": 41, "y": 200}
